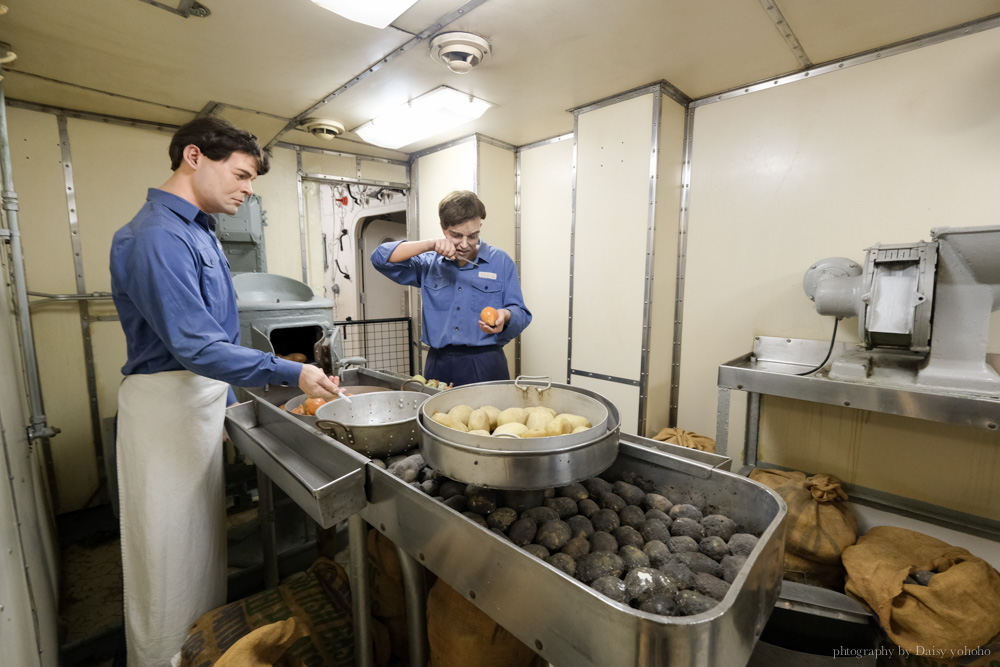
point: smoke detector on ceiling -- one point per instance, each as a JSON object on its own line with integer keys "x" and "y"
{"x": 322, "y": 128}
{"x": 460, "y": 51}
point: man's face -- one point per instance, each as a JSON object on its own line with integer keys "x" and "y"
{"x": 221, "y": 185}
{"x": 465, "y": 236}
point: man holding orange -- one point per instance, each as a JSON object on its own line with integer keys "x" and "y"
{"x": 472, "y": 301}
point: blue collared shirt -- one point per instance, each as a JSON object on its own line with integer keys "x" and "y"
{"x": 453, "y": 297}
{"x": 176, "y": 302}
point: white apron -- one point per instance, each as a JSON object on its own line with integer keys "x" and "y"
{"x": 172, "y": 508}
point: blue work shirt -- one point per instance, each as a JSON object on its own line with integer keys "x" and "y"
{"x": 453, "y": 297}
{"x": 175, "y": 298}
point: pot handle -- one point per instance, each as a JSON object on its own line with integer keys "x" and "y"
{"x": 533, "y": 377}
{"x": 420, "y": 386}
{"x": 330, "y": 427}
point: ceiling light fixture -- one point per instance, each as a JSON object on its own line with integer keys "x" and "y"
{"x": 376, "y": 13}
{"x": 434, "y": 112}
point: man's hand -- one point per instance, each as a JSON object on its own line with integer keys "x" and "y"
{"x": 503, "y": 317}
{"x": 314, "y": 382}
{"x": 444, "y": 247}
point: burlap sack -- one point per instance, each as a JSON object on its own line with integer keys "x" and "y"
{"x": 319, "y": 598}
{"x": 460, "y": 635}
{"x": 958, "y": 611}
{"x": 266, "y": 646}
{"x": 689, "y": 439}
{"x": 388, "y": 599}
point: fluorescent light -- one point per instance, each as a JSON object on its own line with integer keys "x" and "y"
{"x": 376, "y": 13}
{"x": 439, "y": 110}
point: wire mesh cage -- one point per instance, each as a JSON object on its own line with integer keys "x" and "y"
{"x": 386, "y": 344}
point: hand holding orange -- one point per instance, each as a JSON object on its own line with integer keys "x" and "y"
{"x": 489, "y": 315}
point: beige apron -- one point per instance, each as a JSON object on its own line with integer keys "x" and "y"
{"x": 172, "y": 508}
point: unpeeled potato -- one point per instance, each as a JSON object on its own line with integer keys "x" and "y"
{"x": 449, "y": 421}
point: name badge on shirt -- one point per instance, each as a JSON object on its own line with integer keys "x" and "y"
{"x": 487, "y": 274}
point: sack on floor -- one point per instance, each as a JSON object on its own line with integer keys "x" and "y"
{"x": 266, "y": 646}
{"x": 319, "y": 599}
{"x": 385, "y": 577}
{"x": 460, "y": 635}
{"x": 957, "y": 611}
{"x": 689, "y": 439}
{"x": 819, "y": 525}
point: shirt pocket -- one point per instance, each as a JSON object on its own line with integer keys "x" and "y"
{"x": 214, "y": 276}
{"x": 438, "y": 292}
{"x": 487, "y": 293}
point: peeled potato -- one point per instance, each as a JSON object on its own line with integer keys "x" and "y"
{"x": 534, "y": 433}
{"x": 575, "y": 420}
{"x": 514, "y": 428}
{"x": 449, "y": 421}
{"x": 581, "y": 428}
{"x": 517, "y": 415}
{"x": 493, "y": 412}
{"x": 538, "y": 419}
{"x": 479, "y": 432}
{"x": 558, "y": 426}
{"x": 479, "y": 421}
{"x": 461, "y": 413}
{"x": 541, "y": 408}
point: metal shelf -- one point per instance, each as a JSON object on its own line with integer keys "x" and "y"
{"x": 772, "y": 370}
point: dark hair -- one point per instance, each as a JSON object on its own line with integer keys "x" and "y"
{"x": 217, "y": 139}
{"x": 460, "y": 206}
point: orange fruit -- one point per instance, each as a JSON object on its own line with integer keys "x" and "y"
{"x": 489, "y": 315}
{"x": 313, "y": 404}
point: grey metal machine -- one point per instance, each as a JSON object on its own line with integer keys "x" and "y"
{"x": 923, "y": 310}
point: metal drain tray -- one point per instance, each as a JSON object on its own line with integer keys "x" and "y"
{"x": 323, "y": 477}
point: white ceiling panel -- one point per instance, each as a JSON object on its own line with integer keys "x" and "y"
{"x": 279, "y": 59}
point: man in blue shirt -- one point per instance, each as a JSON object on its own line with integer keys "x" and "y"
{"x": 176, "y": 302}
{"x": 458, "y": 276}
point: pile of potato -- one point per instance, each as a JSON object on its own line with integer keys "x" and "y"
{"x": 534, "y": 422}
{"x": 661, "y": 550}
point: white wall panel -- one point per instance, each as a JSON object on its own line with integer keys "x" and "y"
{"x": 439, "y": 173}
{"x": 624, "y": 397}
{"x": 614, "y": 145}
{"x": 546, "y": 217}
{"x": 279, "y": 197}
{"x": 828, "y": 166}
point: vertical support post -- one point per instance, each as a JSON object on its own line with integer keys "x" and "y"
{"x": 357, "y": 533}
{"x": 268, "y": 538}
{"x": 415, "y": 595}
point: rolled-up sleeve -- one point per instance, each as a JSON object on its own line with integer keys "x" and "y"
{"x": 406, "y": 272}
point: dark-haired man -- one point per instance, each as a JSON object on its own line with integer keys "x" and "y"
{"x": 171, "y": 285}
{"x": 459, "y": 275}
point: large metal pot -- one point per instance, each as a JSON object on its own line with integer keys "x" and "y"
{"x": 520, "y": 463}
{"x": 376, "y": 424}
{"x": 311, "y": 419}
